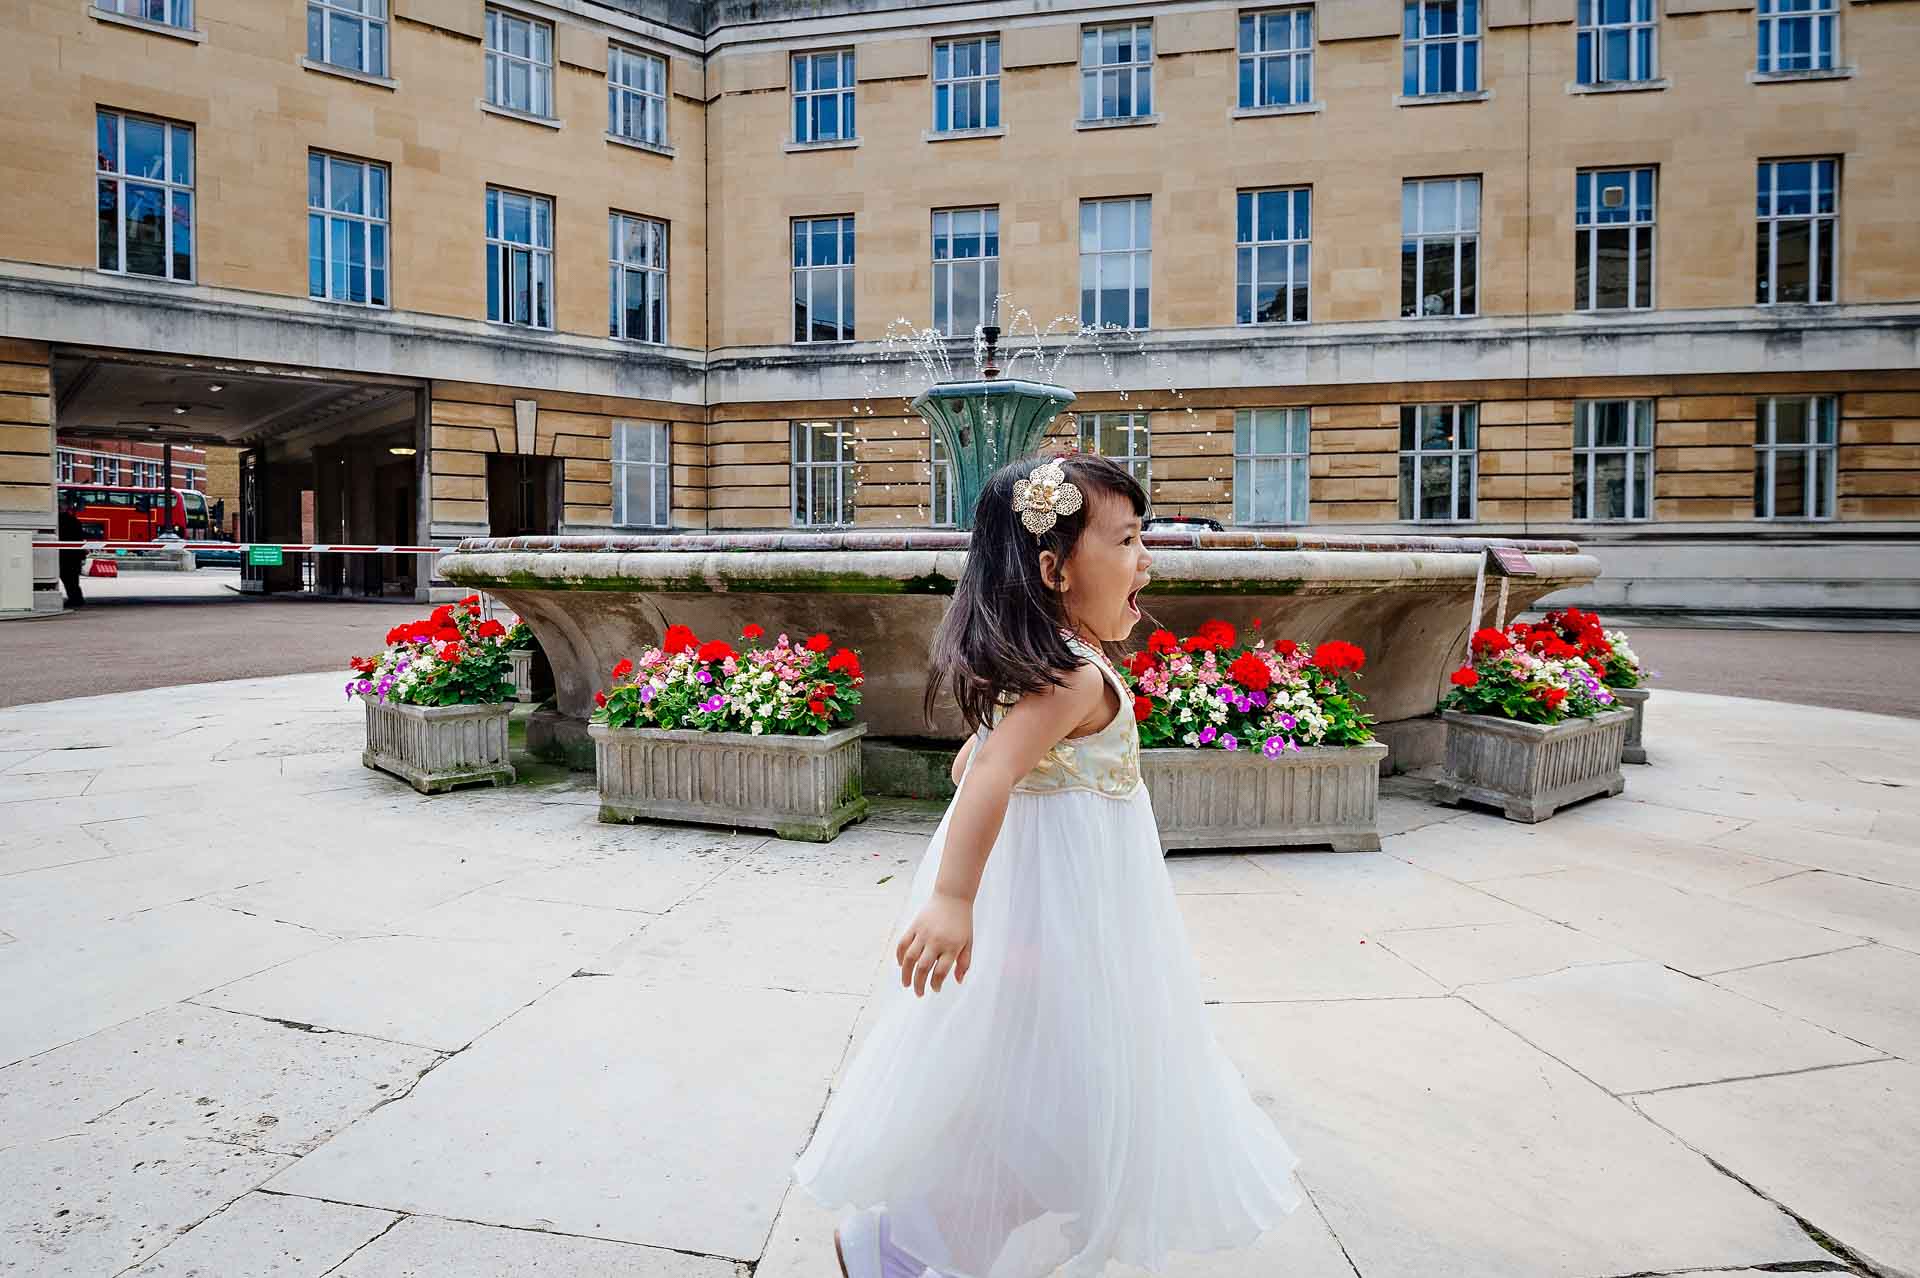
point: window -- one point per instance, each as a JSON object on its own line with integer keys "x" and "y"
{"x": 637, "y": 278}
{"x": 145, "y": 183}
{"x": 1270, "y": 466}
{"x": 519, "y": 64}
{"x": 1437, "y": 447}
{"x": 1442, "y": 52}
{"x": 1795, "y": 447}
{"x": 1613, "y": 240}
{"x": 636, "y": 95}
{"x": 1616, "y": 42}
{"x": 1612, "y": 458}
{"x": 823, "y": 96}
{"x": 106, "y": 470}
{"x": 823, "y": 279}
{"x": 348, "y": 33}
{"x": 942, "y": 514}
{"x": 1440, "y": 247}
{"x": 169, "y": 13}
{"x": 1123, "y": 437}
{"x": 1116, "y": 262}
{"x": 966, "y": 84}
{"x": 1116, "y": 71}
{"x": 1276, "y": 58}
{"x": 822, "y": 474}
{"x": 346, "y": 230}
{"x": 1272, "y": 256}
{"x": 1799, "y": 213}
{"x": 1797, "y": 35}
{"x": 65, "y": 463}
{"x": 966, "y": 269}
{"x": 519, "y": 258}
{"x": 642, "y": 474}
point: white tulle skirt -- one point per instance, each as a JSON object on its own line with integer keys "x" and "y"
{"x": 1068, "y": 1105}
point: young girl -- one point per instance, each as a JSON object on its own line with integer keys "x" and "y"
{"x": 1063, "y": 1103}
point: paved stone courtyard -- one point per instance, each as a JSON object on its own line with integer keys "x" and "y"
{"x": 268, "y": 1014}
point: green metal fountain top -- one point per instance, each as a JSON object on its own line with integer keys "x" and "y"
{"x": 987, "y": 423}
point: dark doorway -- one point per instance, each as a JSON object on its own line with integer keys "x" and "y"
{"x": 523, "y": 495}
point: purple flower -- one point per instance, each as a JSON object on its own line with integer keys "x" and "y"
{"x": 1257, "y": 697}
{"x": 1287, "y": 721}
{"x": 1207, "y": 735}
{"x": 1240, "y": 704}
{"x": 704, "y": 676}
{"x": 712, "y": 704}
{"x": 1273, "y": 748}
{"x": 1229, "y": 742}
{"x": 646, "y": 693}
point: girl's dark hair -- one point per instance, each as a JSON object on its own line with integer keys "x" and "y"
{"x": 1001, "y": 637}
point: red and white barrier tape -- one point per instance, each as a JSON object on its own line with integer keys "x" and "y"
{"x": 241, "y": 545}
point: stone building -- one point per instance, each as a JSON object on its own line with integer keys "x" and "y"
{"x": 1636, "y": 271}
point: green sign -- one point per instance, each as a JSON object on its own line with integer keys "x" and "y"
{"x": 264, "y": 557}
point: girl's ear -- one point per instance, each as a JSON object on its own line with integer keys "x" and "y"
{"x": 1050, "y": 571}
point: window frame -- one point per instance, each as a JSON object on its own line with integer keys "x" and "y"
{"x": 1638, "y": 452}
{"x": 1137, "y": 71}
{"x": 657, "y": 468}
{"x": 328, "y": 10}
{"x": 802, "y": 467}
{"x": 1461, "y": 458}
{"x": 1296, "y": 427}
{"x": 942, "y": 503}
{"x": 1137, "y": 429}
{"x": 653, "y": 103}
{"x": 804, "y": 95}
{"x": 620, "y": 225}
{"x": 1415, "y": 40}
{"x": 845, "y": 283}
{"x": 1133, "y": 252}
{"x": 1820, "y": 16}
{"x": 1591, "y": 30}
{"x": 1247, "y": 248}
{"x": 1588, "y": 192}
{"x": 1252, "y": 63}
{"x": 499, "y": 59}
{"x": 987, "y": 82}
{"x": 502, "y": 249}
{"x": 1458, "y": 237}
{"x": 1768, "y": 224}
{"x": 171, "y": 189}
{"x": 179, "y": 13}
{"x": 372, "y": 271}
{"x": 1818, "y": 456}
{"x": 985, "y": 267}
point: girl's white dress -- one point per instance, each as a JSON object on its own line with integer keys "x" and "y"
{"x": 1068, "y": 1104}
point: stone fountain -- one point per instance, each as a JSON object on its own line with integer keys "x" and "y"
{"x": 1407, "y": 600}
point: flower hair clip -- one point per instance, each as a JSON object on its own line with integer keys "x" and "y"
{"x": 1044, "y": 496}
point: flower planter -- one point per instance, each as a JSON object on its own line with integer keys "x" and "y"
{"x": 1531, "y": 770}
{"x": 800, "y": 787}
{"x": 1242, "y": 799}
{"x": 1634, "y": 750}
{"x": 522, "y": 659}
{"x": 435, "y": 748}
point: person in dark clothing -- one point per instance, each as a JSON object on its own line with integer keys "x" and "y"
{"x": 71, "y": 560}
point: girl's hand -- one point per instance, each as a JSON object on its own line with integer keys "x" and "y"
{"x": 940, "y": 940}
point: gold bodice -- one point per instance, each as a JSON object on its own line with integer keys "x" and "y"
{"x": 1105, "y": 761}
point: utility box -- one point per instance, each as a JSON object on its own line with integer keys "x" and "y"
{"x": 16, "y": 570}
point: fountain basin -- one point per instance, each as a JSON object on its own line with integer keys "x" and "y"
{"x": 594, "y": 600}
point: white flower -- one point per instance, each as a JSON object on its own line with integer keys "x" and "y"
{"x": 1185, "y": 715}
{"x": 758, "y": 727}
{"x": 1192, "y": 738}
{"x": 1173, "y": 694}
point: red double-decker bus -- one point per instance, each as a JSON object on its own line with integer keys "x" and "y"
{"x": 114, "y": 512}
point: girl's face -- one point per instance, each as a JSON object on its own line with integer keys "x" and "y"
{"x": 1101, "y": 581}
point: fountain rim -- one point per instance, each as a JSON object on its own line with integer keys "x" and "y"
{"x": 804, "y": 541}
{"x": 994, "y": 388}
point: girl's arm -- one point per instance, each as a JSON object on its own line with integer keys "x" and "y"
{"x": 940, "y": 939}
{"x": 960, "y": 759}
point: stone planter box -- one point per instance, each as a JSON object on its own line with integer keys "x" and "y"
{"x": 799, "y": 787}
{"x": 435, "y": 748}
{"x": 1635, "y": 699}
{"x": 522, "y": 662}
{"x": 1324, "y": 795}
{"x": 1531, "y": 770}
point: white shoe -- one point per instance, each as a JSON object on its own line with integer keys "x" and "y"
{"x": 865, "y": 1250}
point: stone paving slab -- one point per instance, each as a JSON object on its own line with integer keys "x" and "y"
{"x": 1866, "y": 993}
{"x": 423, "y": 1247}
{"x": 1476, "y": 953}
{"x": 1844, "y": 903}
{"x": 270, "y": 1236}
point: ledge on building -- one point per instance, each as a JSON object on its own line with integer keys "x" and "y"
{"x": 1292, "y": 108}
{"x": 1791, "y": 77}
{"x": 525, "y": 117}
{"x": 831, "y": 144}
{"x": 961, "y": 135}
{"x": 1620, "y": 86}
{"x": 640, "y": 144}
{"x": 1441, "y": 99}
{"x": 188, "y": 34}
{"x": 1118, "y": 122}
{"x": 348, "y": 73}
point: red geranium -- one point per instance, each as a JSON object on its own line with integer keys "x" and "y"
{"x": 1338, "y": 657}
{"x": 1162, "y": 641}
{"x": 365, "y": 665}
{"x": 490, "y": 629}
{"x": 1250, "y": 672}
{"x": 1553, "y": 697}
{"x": 443, "y": 615}
{"x": 1221, "y": 633}
{"x": 715, "y": 650}
{"x": 451, "y": 654}
{"x": 818, "y": 643}
{"x": 600, "y": 698}
{"x": 1141, "y": 662}
{"x": 846, "y": 660}
{"x": 1489, "y": 642}
{"x": 622, "y": 668}
{"x": 817, "y": 706}
{"x": 1465, "y": 677}
{"x": 751, "y": 631}
{"x": 679, "y": 639}
{"x": 1286, "y": 647}
{"x": 446, "y": 634}
{"x": 1199, "y": 643}
{"x": 471, "y": 601}
{"x": 1142, "y": 708}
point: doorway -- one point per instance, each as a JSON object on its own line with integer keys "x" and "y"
{"x": 523, "y": 495}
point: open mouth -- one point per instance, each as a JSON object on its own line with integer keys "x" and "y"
{"x": 1133, "y": 601}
